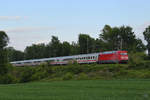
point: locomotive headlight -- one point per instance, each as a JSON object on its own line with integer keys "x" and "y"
{"x": 124, "y": 57}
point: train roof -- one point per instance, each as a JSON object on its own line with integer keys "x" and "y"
{"x": 54, "y": 58}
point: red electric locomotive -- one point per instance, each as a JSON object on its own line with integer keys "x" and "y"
{"x": 113, "y": 57}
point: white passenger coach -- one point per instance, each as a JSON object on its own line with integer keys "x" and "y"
{"x": 81, "y": 59}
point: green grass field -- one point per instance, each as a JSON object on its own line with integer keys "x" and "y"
{"x": 78, "y": 90}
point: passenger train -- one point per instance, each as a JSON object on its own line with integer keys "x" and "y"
{"x": 101, "y": 57}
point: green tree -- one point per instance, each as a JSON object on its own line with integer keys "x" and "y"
{"x": 66, "y": 49}
{"x": 35, "y": 51}
{"x": 140, "y": 47}
{"x": 55, "y": 47}
{"x": 75, "y": 49}
{"x": 120, "y": 38}
{"x": 146, "y": 34}
{"x": 99, "y": 45}
{"x": 3, "y": 53}
{"x": 86, "y": 43}
{"x": 14, "y": 55}
{"x": 128, "y": 38}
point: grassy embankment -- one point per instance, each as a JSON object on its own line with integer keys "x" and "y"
{"x": 137, "y": 68}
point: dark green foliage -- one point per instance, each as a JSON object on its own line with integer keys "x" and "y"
{"x": 41, "y": 72}
{"x": 66, "y": 49}
{"x": 75, "y": 48}
{"x": 14, "y": 55}
{"x": 35, "y": 51}
{"x": 120, "y": 38}
{"x": 146, "y": 34}
{"x": 3, "y": 39}
{"x": 26, "y": 74}
{"x": 137, "y": 60}
{"x": 3, "y": 62}
{"x": 3, "y": 57}
{"x": 6, "y": 79}
{"x": 55, "y": 47}
{"x": 86, "y": 43}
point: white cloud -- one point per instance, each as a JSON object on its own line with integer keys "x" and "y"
{"x": 8, "y": 18}
{"x": 20, "y": 37}
{"x": 29, "y": 29}
{"x": 143, "y": 26}
{"x": 42, "y": 41}
{"x": 140, "y": 29}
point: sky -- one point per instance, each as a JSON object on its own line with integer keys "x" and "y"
{"x": 28, "y": 22}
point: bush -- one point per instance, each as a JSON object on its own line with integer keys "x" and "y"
{"x": 82, "y": 76}
{"x": 6, "y": 79}
{"x": 41, "y": 71}
{"x": 26, "y": 75}
{"x": 39, "y": 75}
{"x": 68, "y": 76}
{"x": 146, "y": 75}
{"x": 136, "y": 58}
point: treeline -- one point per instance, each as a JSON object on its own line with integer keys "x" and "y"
{"x": 110, "y": 38}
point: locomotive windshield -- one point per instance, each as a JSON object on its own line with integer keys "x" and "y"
{"x": 123, "y": 53}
